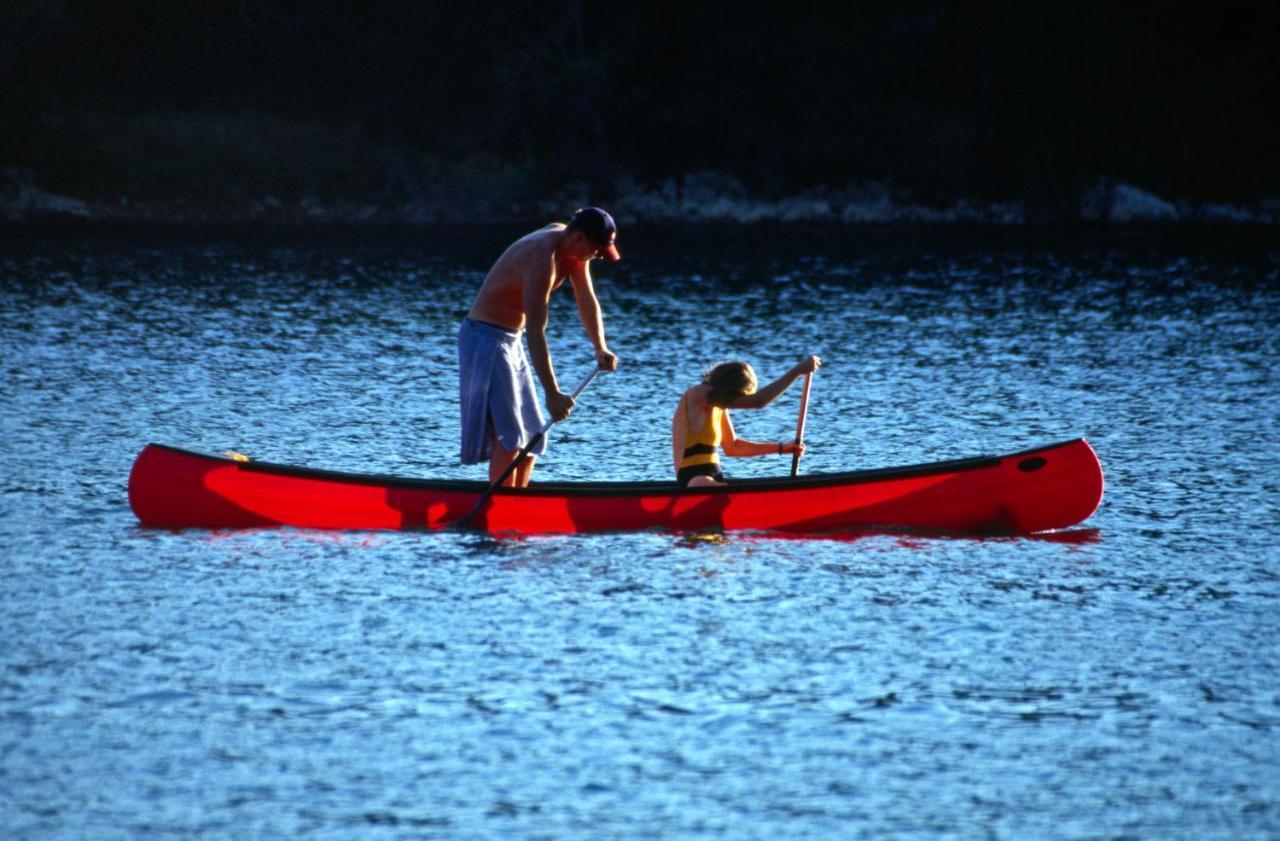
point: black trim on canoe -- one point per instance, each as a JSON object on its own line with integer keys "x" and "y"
{"x": 665, "y": 488}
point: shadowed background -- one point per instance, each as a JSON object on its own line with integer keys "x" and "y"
{"x": 450, "y": 109}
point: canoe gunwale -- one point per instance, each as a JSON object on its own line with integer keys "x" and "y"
{"x": 627, "y": 489}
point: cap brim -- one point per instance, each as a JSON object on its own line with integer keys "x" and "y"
{"x": 611, "y": 251}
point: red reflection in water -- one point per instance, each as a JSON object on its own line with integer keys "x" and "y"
{"x": 917, "y": 539}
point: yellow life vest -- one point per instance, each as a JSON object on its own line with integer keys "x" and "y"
{"x": 703, "y": 446}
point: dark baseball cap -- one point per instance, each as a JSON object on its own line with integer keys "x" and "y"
{"x": 599, "y": 227}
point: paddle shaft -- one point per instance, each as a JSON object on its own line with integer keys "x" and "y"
{"x": 533, "y": 442}
{"x": 804, "y": 410}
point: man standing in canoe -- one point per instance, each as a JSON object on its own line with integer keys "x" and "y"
{"x": 500, "y": 412}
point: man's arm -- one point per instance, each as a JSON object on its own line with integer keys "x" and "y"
{"x": 589, "y": 311}
{"x": 537, "y": 292}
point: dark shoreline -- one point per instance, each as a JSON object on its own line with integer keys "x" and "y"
{"x": 657, "y": 242}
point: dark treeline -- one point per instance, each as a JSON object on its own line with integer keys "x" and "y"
{"x": 1027, "y": 101}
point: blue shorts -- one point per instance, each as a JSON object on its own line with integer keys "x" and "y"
{"x": 496, "y": 392}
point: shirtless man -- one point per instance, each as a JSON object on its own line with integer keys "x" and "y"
{"x": 500, "y": 413}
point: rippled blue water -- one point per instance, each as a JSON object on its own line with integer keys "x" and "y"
{"x": 1123, "y": 682}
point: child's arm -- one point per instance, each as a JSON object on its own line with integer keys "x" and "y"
{"x": 769, "y": 393}
{"x": 740, "y": 447}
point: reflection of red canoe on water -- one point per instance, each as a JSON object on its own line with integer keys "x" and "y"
{"x": 1046, "y": 488}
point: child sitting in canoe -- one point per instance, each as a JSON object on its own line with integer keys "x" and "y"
{"x": 701, "y": 423}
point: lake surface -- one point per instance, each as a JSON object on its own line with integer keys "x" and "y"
{"x": 1120, "y": 681}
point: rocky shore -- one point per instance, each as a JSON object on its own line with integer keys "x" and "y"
{"x": 707, "y": 197}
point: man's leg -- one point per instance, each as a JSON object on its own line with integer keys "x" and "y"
{"x": 501, "y": 457}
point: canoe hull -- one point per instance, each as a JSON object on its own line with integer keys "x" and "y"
{"x": 1046, "y": 488}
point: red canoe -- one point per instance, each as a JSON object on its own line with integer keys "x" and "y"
{"x": 1046, "y": 488}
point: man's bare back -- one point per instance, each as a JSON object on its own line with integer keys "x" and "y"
{"x": 532, "y": 257}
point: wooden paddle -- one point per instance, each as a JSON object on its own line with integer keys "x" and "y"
{"x": 804, "y": 410}
{"x": 465, "y": 522}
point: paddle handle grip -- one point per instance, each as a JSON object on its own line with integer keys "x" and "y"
{"x": 804, "y": 411}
